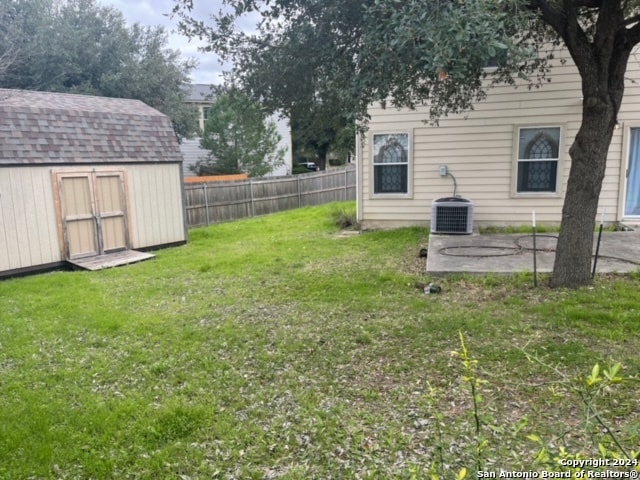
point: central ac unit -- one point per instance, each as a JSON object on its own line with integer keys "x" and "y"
{"x": 452, "y": 215}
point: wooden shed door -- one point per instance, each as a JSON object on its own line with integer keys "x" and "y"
{"x": 111, "y": 211}
{"x": 94, "y": 213}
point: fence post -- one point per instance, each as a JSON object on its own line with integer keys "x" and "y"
{"x": 346, "y": 191}
{"x": 206, "y": 203}
{"x": 299, "y": 192}
{"x": 253, "y": 205}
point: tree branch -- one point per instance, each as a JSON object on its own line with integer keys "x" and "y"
{"x": 607, "y": 24}
{"x": 552, "y": 16}
{"x": 587, "y": 3}
{"x": 633, "y": 33}
{"x": 631, "y": 20}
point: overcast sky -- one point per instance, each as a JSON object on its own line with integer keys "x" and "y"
{"x": 153, "y": 12}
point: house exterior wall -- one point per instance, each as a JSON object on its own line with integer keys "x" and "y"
{"x": 284, "y": 130}
{"x": 31, "y": 233}
{"x": 202, "y": 110}
{"x": 480, "y": 149}
{"x": 191, "y": 153}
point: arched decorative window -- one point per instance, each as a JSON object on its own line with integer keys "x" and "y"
{"x": 541, "y": 146}
{"x": 390, "y": 163}
{"x": 538, "y": 155}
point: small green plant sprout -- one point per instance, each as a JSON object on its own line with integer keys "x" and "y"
{"x": 559, "y": 460}
{"x": 597, "y": 384}
{"x": 469, "y": 366}
{"x": 588, "y": 389}
{"x": 431, "y": 400}
{"x": 610, "y": 376}
{"x": 595, "y": 377}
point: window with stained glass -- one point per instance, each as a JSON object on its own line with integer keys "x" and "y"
{"x": 538, "y": 155}
{"x": 390, "y": 163}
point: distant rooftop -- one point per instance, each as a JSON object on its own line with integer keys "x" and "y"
{"x": 199, "y": 92}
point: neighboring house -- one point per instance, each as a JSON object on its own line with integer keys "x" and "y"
{"x": 201, "y": 96}
{"x": 509, "y": 156}
{"x": 85, "y": 178}
{"x": 192, "y": 153}
{"x": 284, "y": 129}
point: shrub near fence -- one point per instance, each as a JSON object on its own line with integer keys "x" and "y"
{"x": 213, "y": 202}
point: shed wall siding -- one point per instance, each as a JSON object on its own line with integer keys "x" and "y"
{"x": 28, "y": 235}
{"x": 155, "y": 205}
{"x": 479, "y": 149}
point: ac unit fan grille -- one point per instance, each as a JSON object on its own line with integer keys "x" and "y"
{"x": 454, "y": 216}
{"x": 452, "y": 219}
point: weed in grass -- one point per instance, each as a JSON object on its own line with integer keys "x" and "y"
{"x": 344, "y": 216}
{"x": 540, "y": 228}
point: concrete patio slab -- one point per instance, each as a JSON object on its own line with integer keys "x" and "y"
{"x": 512, "y": 253}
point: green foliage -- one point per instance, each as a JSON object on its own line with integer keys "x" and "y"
{"x": 318, "y": 128}
{"x": 78, "y": 46}
{"x": 344, "y": 217}
{"x": 602, "y": 449}
{"x": 601, "y": 441}
{"x": 11, "y": 35}
{"x": 290, "y": 66}
{"x": 349, "y": 54}
{"x": 471, "y": 377}
{"x": 239, "y": 138}
{"x": 524, "y": 229}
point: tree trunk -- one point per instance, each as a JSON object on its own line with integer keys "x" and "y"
{"x": 601, "y": 59}
{"x": 323, "y": 152}
{"x": 572, "y": 266}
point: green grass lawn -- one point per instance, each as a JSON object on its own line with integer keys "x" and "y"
{"x": 275, "y": 347}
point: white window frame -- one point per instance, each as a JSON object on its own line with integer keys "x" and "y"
{"x": 517, "y": 160}
{"x": 624, "y": 172}
{"x": 409, "y": 164}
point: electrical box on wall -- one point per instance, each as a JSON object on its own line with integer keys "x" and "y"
{"x": 443, "y": 171}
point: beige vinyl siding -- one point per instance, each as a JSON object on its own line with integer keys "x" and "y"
{"x": 480, "y": 149}
{"x": 28, "y": 234}
{"x": 155, "y": 205}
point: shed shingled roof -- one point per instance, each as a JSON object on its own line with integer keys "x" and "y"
{"x": 61, "y": 128}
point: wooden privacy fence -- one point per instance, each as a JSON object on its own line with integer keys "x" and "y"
{"x": 214, "y": 202}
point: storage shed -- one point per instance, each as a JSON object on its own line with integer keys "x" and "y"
{"x": 87, "y": 180}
